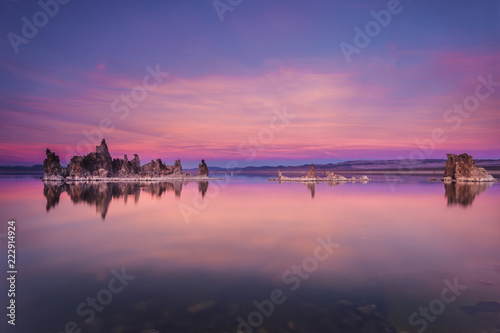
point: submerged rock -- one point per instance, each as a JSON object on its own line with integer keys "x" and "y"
{"x": 199, "y": 307}
{"x": 482, "y": 307}
{"x": 462, "y": 168}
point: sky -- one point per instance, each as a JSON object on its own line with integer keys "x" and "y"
{"x": 252, "y": 82}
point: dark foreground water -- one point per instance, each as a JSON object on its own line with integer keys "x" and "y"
{"x": 404, "y": 256}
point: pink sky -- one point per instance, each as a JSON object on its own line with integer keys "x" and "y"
{"x": 338, "y": 113}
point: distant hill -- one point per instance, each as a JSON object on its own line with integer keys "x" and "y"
{"x": 210, "y": 168}
{"x": 347, "y": 166}
{"x": 22, "y": 170}
{"x": 367, "y": 166}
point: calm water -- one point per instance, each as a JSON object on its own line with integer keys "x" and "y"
{"x": 263, "y": 256}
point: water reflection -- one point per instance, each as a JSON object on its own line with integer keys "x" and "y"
{"x": 203, "y": 187}
{"x": 100, "y": 194}
{"x": 397, "y": 247}
{"x": 463, "y": 194}
{"x": 312, "y": 188}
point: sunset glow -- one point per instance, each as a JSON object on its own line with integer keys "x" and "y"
{"x": 226, "y": 78}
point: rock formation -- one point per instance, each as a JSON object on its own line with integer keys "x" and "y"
{"x": 136, "y": 164}
{"x": 99, "y": 165}
{"x": 122, "y": 167}
{"x": 52, "y": 168}
{"x": 202, "y": 169}
{"x": 104, "y": 158}
{"x": 154, "y": 168}
{"x": 330, "y": 176}
{"x": 310, "y": 174}
{"x": 462, "y": 168}
{"x": 177, "y": 169}
{"x": 312, "y": 178}
{"x": 364, "y": 179}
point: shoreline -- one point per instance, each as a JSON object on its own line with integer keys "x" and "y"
{"x": 382, "y": 172}
{"x": 330, "y": 179}
{"x": 127, "y": 179}
{"x": 236, "y": 173}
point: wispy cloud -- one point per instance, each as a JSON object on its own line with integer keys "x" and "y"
{"x": 339, "y": 110}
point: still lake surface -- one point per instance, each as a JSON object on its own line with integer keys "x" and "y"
{"x": 253, "y": 254}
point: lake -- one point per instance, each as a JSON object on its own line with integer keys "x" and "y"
{"x": 247, "y": 254}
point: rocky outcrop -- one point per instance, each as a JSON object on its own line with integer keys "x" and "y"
{"x": 312, "y": 178}
{"x": 159, "y": 169}
{"x": 103, "y": 157}
{"x": 121, "y": 167}
{"x": 310, "y": 174}
{"x": 364, "y": 179}
{"x": 135, "y": 164}
{"x": 462, "y": 168}
{"x": 99, "y": 165}
{"x": 330, "y": 176}
{"x": 154, "y": 168}
{"x": 52, "y": 168}
{"x": 202, "y": 169}
{"x": 177, "y": 169}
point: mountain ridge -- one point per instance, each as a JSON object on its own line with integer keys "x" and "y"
{"x": 354, "y": 165}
